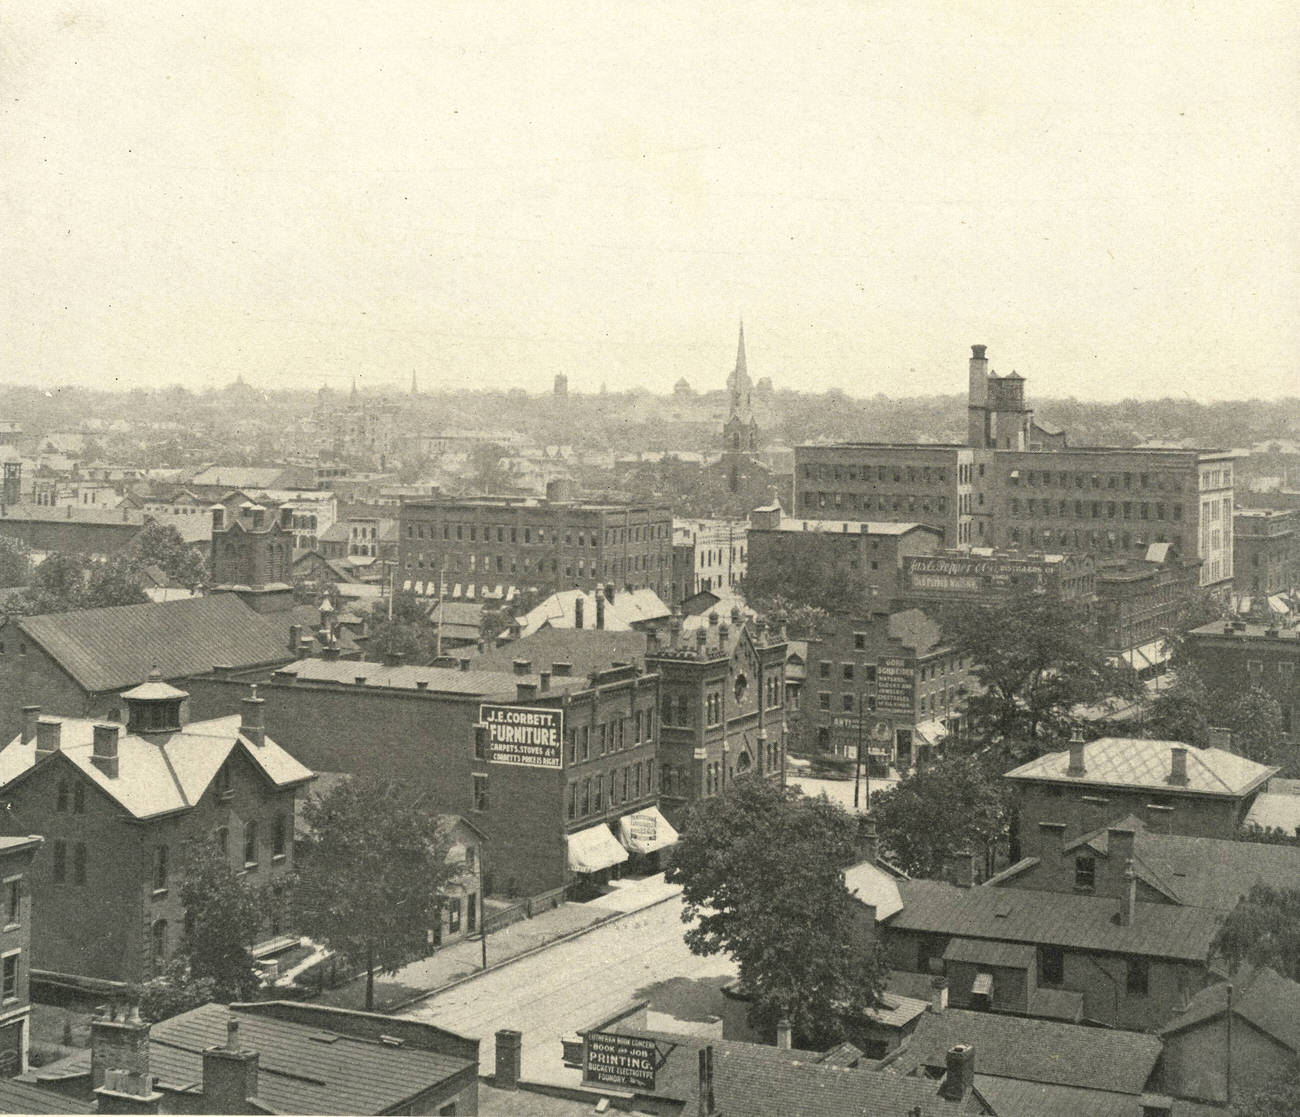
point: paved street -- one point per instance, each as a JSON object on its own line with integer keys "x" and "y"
{"x": 556, "y": 991}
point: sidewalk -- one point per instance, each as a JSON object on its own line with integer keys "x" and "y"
{"x": 462, "y": 959}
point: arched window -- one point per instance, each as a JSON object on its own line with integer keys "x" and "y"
{"x": 250, "y": 843}
{"x": 280, "y": 837}
{"x": 158, "y": 936}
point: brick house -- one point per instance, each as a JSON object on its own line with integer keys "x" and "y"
{"x": 16, "y": 854}
{"x": 1173, "y": 788}
{"x": 119, "y": 804}
{"x": 78, "y": 664}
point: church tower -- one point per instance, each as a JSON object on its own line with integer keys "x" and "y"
{"x": 740, "y": 432}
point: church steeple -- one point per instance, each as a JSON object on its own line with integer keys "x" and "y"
{"x": 740, "y": 353}
{"x": 738, "y": 383}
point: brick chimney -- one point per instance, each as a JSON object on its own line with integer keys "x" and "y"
{"x": 522, "y": 666}
{"x": 251, "y": 717}
{"x": 545, "y": 677}
{"x": 229, "y": 1074}
{"x": 295, "y": 638}
{"x": 1178, "y": 766}
{"x": 1077, "y": 767}
{"x": 784, "y": 1034}
{"x": 960, "y": 1079}
{"x": 393, "y": 659}
{"x": 561, "y": 670}
{"x": 31, "y": 715}
{"x": 600, "y": 610}
{"x": 938, "y": 994}
{"x": 868, "y": 842}
{"x": 1128, "y": 908}
{"x": 104, "y": 752}
{"x": 49, "y": 735}
{"x": 706, "y": 1106}
{"x": 119, "y": 1063}
{"x": 510, "y": 1049}
{"x": 959, "y": 868}
{"x": 525, "y": 691}
{"x": 578, "y": 605}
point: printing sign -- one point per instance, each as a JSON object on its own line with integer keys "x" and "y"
{"x": 618, "y": 1060}
{"x": 523, "y": 736}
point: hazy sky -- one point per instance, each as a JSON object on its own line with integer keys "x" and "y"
{"x": 1103, "y": 193}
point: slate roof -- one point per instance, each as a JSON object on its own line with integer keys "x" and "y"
{"x": 1035, "y": 1050}
{"x": 302, "y": 1069}
{"x": 985, "y": 952}
{"x": 192, "y": 529}
{"x": 21, "y": 1097}
{"x": 1055, "y": 918}
{"x": 1011, "y": 1097}
{"x": 1201, "y": 872}
{"x": 586, "y": 650}
{"x": 108, "y": 649}
{"x": 1274, "y": 810}
{"x": 1262, "y": 996}
{"x": 628, "y": 608}
{"x": 159, "y": 774}
{"x": 1137, "y": 763}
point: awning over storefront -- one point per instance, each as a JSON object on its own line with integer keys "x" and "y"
{"x": 1147, "y": 656}
{"x": 931, "y": 732}
{"x": 646, "y": 831}
{"x": 594, "y": 849}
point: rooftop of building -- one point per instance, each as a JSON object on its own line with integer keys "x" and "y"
{"x": 1239, "y": 629}
{"x": 435, "y": 680}
{"x": 1147, "y": 764}
{"x": 581, "y": 504}
{"x": 157, "y": 774}
{"x": 578, "y": 651}
{"x": 617, "y": 610}
{"x": 107, "y": 649}
{"x": 1261, "y": 996}
{"x": 192, "y": 529}
{"x": 1034, "y": 1050}
{"x": 796, "y": 524}
{"x": 312, "y": 1059}
{"x": 1081, "y": 922}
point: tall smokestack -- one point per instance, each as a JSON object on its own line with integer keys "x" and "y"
{"x": 977, "y": 397}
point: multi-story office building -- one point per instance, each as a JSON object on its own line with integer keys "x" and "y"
{"x": 708, "y": 555}
{"x": 1266, "y": 550}
{"x": 493, "y": 547}
{"x": 1017, "y": 484}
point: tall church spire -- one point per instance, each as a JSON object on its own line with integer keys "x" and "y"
{"x": 740, "y": 353}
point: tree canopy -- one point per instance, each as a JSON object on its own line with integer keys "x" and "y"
{"x": 1188, "y": 708}
{"x": 223, "y": 916}
{"x": 955, "y": 804}
{"x": 1264, "y": 930}
{"x": 408, "y": 632}
{"x": 761, "y": 870}
{"x": 789, "y": 574}
{"x": 161, "y": 545}
{"x": 15, "y": 563}
{"x": 372, "y": 874}
{"x": 1035, "y": 658}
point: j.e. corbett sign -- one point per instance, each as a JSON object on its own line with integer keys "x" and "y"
{"x": 528, "y": 737}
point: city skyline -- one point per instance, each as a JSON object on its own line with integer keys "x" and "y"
{"x": 515, "y": 193}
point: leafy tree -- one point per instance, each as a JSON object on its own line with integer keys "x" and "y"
{"x": 761, "y": 875}
{"x": 372, "y": 874}
{"x": 172, "y": 992}
{"x": 489, "y": 470}
{"x": 1264, "y": 930}
{"x": 1272, "y": 1099}
{"x": 1035, "y": 659}
{"x": 1268, "y": 835}
{"x": 223, "y": 915}
{"x": 954, "y": 804}
{"x": 161, "y": 545}
{"x": 64, "y": 582}
{"x": 1181, "y": 712}
{"x": 115, "y": 582}
{"x": 1197, "y": 609}
{"x": 15, "y": 563}
{"x": 789, "y": 574}
{"x": 408, "y": 632}
{"x": 1255, "y": 718}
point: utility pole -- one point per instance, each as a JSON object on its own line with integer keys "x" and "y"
{"x": 857, "y": 764}
{"x": 437, "y": 647}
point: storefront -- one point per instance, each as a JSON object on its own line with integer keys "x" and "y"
{"x": 594, "y": 857}
{"x": 643, "y": 834}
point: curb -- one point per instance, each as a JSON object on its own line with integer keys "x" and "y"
{"x": 613, "y": 917}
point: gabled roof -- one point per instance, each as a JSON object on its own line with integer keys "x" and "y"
{"x": 1025, "y": 915}
{"x": 1262, "y": 996}
{"x": 439, "y": 680}
{"x": 585, "y": 650}
{"x": 1138, "y": 763}
{"x": 303, "y": 1068}
{"x": 628, "y": 608}
{"x": 161, "y": 773}
{"x": 22, "y": 1097}
{"x": 108, "y": 649}
{"x": 1035, "y": 1050}
{"x": 874, "y": 886}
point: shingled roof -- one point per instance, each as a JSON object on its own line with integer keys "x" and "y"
{"x": 1262, "y": 996}
{"x": 108, "y": 649}
{"x": 1138, "y": 763}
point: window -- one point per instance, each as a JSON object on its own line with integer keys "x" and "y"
{"x": 250, "y": 844}
{"x": 1085, "y": 873}
{"x": 480, "y": 743}
{"x": 160, "y": 868}
{"x": 573, "y": 801}
{"x": 223, "y": 840}
{"x": 60, "y": 855}
{"x": 824, "y": 669}
{"x": 9, "y": 988}
{"x": 453, "y": 915}
{"x": 823, "y": 700}
{"x": 1051, "y": 965}
{"x": 158, "y": 937}
{"x": 847, "y": 701}
{"x": 13, "y": 900}
{"x": 1138, "y": 977}
{"x": 480, "y": 793}
{"x": 79, "y": 863}
{"x": 584, "y": 738}
{"x": 279, "y": 838}
{"x": 222, "y": 783}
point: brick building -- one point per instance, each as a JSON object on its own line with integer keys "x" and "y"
{"x": 120, "y": 804}
{"x": 885, "y": 682}
{"x": 1234, "y": 656}
{"x": 707, "y": 555}
{"x": 78, "y": 664}
{"x": 1266, "y": 550}
{"x": 873, "y": 551}
{"x": 722, "y": 705}
{"x": 422, "y": 726}
{"x": 16, "y": 854}
{"x": 90, "y": 530}
{"x": 1138, "y": 604}
{"x": 982, "y": 575}
{"x": 252, "y": 544}
{"x": 493, "y": 547}
{"x": 1172, "y": 788}
{"x": 1015, "y": 485}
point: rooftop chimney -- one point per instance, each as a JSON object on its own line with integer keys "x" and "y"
{"x": 119, "y": 1063}
{"x": 1178, "y": 766}
{"x": 229, "y": 1074}
{"x": 938, "y": 994}
{"x": 868, "y": 842}
{"x": 295, "y": 638}
{"x": 561, "y": 670}
{"x": 706, "y": 1107}
{"x": 251, "y": 717}
{"x": 31, "y": 715}
{"x": 393, "y": 659}
{"x": 1077, "y": 767}
{"x": 578, "y": 605}
{"x": 1128, "y": 909}
{"x": 609, "y": 592}
{"x": 959, "y": 868}
{"x": 49, "y": 733}
{"x": 784, "y": 1034}
{"x": 600, "y": 610}
{"x": 960, "y": 1079}
{"x": 104, "y": 751}
{"x": 509, "y": 1046}
{"x": 546, "y": 680}
{"x": 360, "y": 680}
{"x": 525, "y": 690}
{"x": 713, "y": 617}
{"x": 701, "y": 638}
{"x": 464, "y": 663}
{"x": 522, "y": 666}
